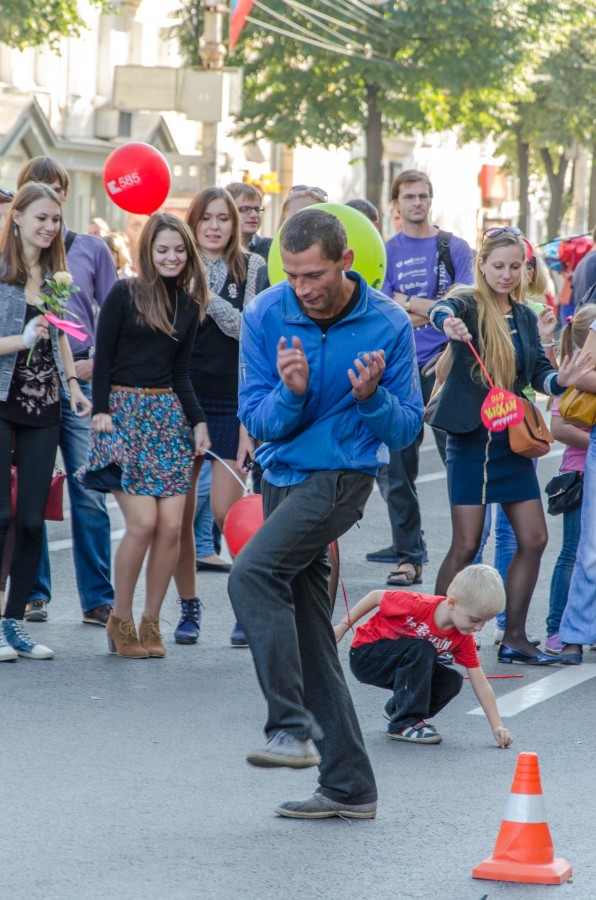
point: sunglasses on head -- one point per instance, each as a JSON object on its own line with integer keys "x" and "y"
{"x": 6, "y": 193}
{"x": 501, "y": 229}
{"x": 309, "y": 187}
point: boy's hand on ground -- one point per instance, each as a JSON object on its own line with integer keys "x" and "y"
{"x": 503, "y": 736}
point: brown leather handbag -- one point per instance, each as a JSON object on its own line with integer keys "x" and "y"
{"x": 530, "y": 438}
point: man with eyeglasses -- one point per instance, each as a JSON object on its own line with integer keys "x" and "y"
{"x": 422, "y": 263}
{"x": 249, "y": 205}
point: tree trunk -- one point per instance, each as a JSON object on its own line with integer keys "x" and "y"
{"x": 374, "y": 148}
{"x": 592, "y": 200}
{"x": 523, "y": 168}
{"x": 556, "y": 181}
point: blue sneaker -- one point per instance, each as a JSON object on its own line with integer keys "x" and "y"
{"x": 189, "y": 627}
{"x": 237, "y": 637}
{"x": 19, "y": 640}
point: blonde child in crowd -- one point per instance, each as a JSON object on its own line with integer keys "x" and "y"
{"x": 398, "y": 649}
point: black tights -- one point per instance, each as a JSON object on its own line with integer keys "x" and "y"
{"x": 35, "y": 454}
{"x": 528, "y": 524}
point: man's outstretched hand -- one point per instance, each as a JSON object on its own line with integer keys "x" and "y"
{"x": 292, "y": 365}
{"x": 369, "y": 371}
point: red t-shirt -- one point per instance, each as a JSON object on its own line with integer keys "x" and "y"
{"x": 406, "y": 614}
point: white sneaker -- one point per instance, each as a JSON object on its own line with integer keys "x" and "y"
{"x": 19, "y": 640}
{"x": 7, "y": 653}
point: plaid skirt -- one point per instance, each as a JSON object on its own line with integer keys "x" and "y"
{"x": 149, "y": 451}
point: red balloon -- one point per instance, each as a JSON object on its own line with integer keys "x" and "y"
{"x": 137, "y": 178}
{"x": 243, "y": 520}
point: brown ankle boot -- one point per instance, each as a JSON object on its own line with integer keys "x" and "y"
{"x": 123, "y": 640}
{"x": 150, "y": 636}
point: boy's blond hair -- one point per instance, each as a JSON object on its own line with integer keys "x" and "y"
{"x": 480, "y": 589}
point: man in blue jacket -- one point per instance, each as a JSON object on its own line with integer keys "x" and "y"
{"x": 328, "y": 373}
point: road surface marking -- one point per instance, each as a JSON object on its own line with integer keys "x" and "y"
{"x": 517, "y": 701}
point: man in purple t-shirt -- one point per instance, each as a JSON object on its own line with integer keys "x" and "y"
{"x": 416, "y": 277}
{"x": 94, "y": 273}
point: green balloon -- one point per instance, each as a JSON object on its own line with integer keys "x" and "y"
{"x": 370, "y": 257}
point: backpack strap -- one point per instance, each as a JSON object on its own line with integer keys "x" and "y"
{"x": 70, "y": 236}
{"x": 444, "y": 256}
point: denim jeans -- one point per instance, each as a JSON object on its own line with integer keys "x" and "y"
{"x": 203, "y": 519}
{"x": 279, "y": 591}
{"x": 402, "y": 497}
{"x": 559, "y": 586}
{"x": 89, "y": 520}
{"x": 578, "y": 623}
{"x": 421, "y": 685}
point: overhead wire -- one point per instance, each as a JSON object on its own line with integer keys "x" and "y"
{"x": 332, "y": 48}
{"x": 293, "y": 24}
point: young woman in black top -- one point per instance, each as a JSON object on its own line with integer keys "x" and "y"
{"x": 143, "y": 401}
{"x": 481, "y": 467}
{"x": 231, "y": 276}
{"x": 31, "y": 249}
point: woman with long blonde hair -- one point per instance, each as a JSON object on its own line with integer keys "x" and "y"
{"x": 481, "y": 467}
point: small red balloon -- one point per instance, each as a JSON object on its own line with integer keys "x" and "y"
{"x": 136, "y": 177}
{"x": 500, "y": 409}
{"x": 243, "y": 520}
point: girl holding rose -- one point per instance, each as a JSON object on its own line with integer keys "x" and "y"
{"x": 34, "y": 359}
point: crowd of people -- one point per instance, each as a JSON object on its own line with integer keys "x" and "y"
{"x": 196, "y": 371}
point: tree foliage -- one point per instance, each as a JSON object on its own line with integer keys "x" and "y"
{"x": 35, "y": 23}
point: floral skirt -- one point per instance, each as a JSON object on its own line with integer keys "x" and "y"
{"x": 149, "y": 451}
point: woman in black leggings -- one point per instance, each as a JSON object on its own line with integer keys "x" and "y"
{"x": 31, "y": 250}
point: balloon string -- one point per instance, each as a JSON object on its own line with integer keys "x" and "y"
{"x": 333, "y": 550}
{"x": 480, "y": 363}
{"x": 230, "y": 470}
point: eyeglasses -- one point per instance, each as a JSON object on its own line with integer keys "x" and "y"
{"x": 309, "y": 187}
{"x": 245, "y": 210}
{"x": 410, "y": 197}
{"x": 501, "y": 229}
{"x": 6, "y": 193}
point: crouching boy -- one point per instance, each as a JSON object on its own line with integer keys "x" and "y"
{"x": 398, "y": 648}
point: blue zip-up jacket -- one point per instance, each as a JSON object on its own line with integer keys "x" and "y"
{"x": 326, "y": 428}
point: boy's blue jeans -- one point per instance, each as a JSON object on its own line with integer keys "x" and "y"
{"x": 421, "y": 685}
{"x": 559, "y": 586}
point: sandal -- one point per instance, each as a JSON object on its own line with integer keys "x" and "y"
{"x": 405, "y": 575}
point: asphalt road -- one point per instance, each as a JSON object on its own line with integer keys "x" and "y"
{"x": 126, "y": 780}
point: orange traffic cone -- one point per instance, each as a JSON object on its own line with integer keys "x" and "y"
{"x": 524, "y": 849}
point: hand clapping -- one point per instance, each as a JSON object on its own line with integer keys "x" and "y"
{"x": 369, "y": 372}
{"x": 292, "y": 365}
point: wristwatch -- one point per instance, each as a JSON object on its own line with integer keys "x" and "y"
{"x": 408, "y": 303}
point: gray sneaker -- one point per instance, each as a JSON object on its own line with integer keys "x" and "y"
{"x": 321, "y": 807}
{"x": 36, "y": 611}
{"x": 285, "y": 750}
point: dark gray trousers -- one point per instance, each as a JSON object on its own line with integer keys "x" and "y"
{"x": 278, "y": 589}
{"x": 402, "y": 497}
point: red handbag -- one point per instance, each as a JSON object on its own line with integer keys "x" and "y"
{"x": 54, "y": 511}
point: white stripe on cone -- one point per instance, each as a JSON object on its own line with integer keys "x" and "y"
{"x": 525, "y": 808}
